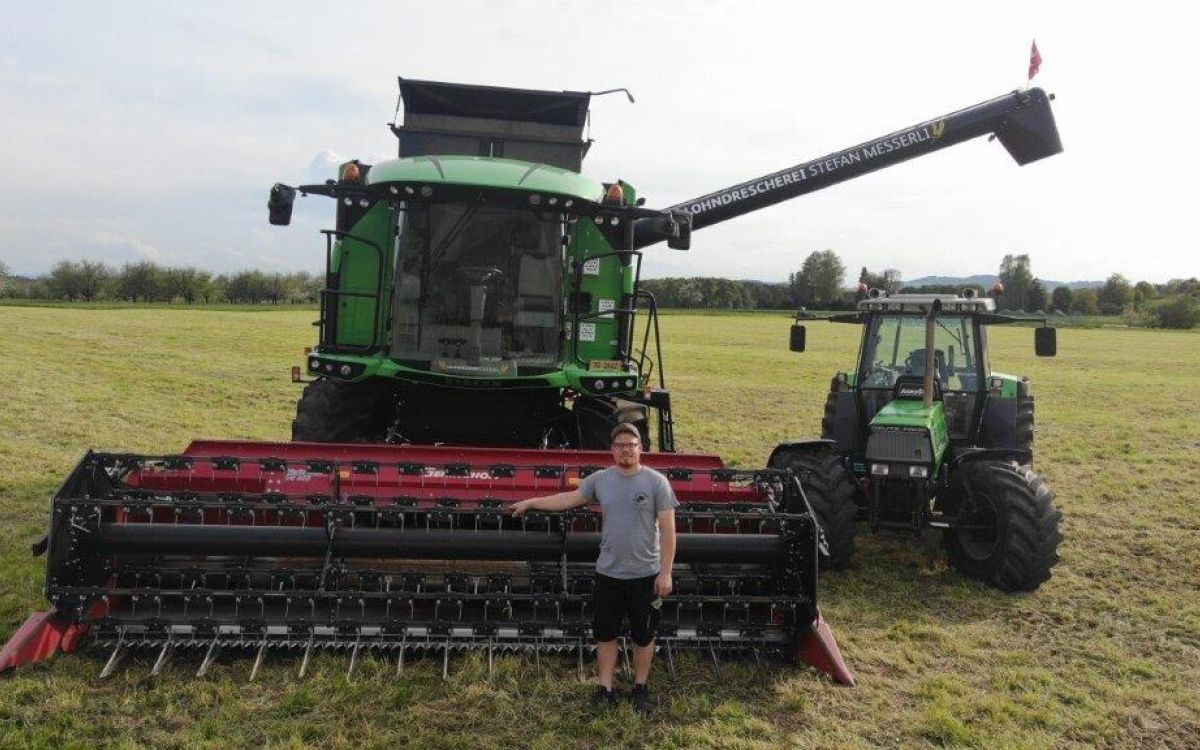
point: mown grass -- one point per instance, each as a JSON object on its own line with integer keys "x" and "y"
{"x": 1105, "y": 654}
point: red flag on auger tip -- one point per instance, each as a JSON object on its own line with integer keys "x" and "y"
{"x": 1035, "y": 60}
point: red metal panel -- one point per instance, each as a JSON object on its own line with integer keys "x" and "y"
{"x": 386, "y": 477}
{"x": 41, "y": 636}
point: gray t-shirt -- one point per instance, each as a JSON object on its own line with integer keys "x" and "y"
{"x": 631, "y": 504}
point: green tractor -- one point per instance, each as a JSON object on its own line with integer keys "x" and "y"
{"x": 924, "y": 434}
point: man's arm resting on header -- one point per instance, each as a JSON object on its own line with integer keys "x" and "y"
{"x": 666, "y": 544}
{"x": 561, "y": 501}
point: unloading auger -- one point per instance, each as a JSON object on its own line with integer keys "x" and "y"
{"x": 267, "y": 547}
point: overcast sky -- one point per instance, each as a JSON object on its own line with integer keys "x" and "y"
{"x": 154, "y": 130}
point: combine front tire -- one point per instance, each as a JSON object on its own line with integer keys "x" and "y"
{"x": 830, "y": 492}
{"x": 1015, "y": 540}
{"x": 330, "y": 411}
{"x": 596, "y": 417}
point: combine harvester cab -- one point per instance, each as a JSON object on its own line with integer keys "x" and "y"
{"x": 479, "y": 291}
{"x": 396, "y": 550}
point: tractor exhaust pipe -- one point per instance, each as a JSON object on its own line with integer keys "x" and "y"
{"x": 930, "y": 354}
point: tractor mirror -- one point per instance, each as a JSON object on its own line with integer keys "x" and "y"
{"x": 797, "y": 342}
{"x": 1045, "y": 341}
{"x": 280, "y": 204}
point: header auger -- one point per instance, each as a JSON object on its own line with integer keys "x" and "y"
{"x": 476, "y": 346}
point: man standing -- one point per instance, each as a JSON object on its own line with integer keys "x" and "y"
{"x": 637, "y": 551}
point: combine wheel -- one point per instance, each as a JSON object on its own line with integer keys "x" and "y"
{"x": 597, "y": 416}
{"x": 830, "y": 492}
{"x": 330, "y": 411}
{"x": 1016, "y": 540}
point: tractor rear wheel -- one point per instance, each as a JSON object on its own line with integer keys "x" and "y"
{"x": 830, "y": 492}
{"x": 597, "y": 416}
{"x": 1010, "y": 536}
{"x": 331, "y": 411}
{"x": 1023, "y": 429}
{"x": 829, "y": 417}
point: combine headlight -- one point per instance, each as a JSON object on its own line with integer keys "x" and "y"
{"x": 345, "y": 370}
{"x": 314, "y": 364}
{"x": 879, "y": 470}
{"x": 918, "y": 471}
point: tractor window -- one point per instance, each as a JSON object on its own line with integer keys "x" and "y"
{"x": 895, "y": 346}
{"x": 478, "y": 289}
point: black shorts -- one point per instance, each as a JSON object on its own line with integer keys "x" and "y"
{"x": 615, "y": 599}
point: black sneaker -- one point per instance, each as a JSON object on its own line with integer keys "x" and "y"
{"x": 604, "y": 697}
{"x": 641, "y": 699}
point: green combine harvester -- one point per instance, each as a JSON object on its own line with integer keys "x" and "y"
{"x": 924, "y": 434}
{"x": 475, "y": 346}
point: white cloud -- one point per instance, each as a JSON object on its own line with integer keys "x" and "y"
{"x": 168, "y": 124}
{"x": 107, "y": 239}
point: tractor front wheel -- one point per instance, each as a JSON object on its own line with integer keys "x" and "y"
{"x": 1007, "y": 533}
{"x": 830, "y": 492}
{"x": 331, "y": 411}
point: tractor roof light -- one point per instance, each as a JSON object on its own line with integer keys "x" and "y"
{"x": 879, "y": 470}
{"x": 921, "y": 472}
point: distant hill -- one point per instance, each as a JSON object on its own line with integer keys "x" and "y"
{"x": 985, "y": 280}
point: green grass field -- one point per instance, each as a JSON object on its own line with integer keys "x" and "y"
{"x": 1106, "y": 654}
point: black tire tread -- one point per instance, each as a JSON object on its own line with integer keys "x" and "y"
{"x": 829, "y": 418}
{"x": 1029, "y": 548}
{"x": 1023, "y": 429}
{"x": 830, "y": 492}
{"x": 596, "y": 416}
{"x": 330, "y": 411}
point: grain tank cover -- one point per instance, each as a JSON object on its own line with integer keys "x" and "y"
{"x": 449, "y": 118}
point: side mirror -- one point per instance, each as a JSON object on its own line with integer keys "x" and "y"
{"x": 797, "y": 342}
{"x": 1045, "y": 341}
{"x": 675, "y": 228}
{"x": 280, "y": 204}
{"x": 683, "y": 233}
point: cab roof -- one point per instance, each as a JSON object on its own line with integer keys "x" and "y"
{"x": 920, "y": 303}
{"x": 486, "y": 172}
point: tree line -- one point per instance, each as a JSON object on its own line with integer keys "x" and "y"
{"x": 818, "y": 284}
{"x": 1175, "y": 304}
{"x": 89, "y": 281}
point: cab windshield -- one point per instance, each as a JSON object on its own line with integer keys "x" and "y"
{"x": 895, "y": 346}
{"x": 478, "y": 289}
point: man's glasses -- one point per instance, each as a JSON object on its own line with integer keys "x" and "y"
{"x": 626, "y": 446}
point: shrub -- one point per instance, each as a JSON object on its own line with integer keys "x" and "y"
{"x": 1179, "y": 312}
